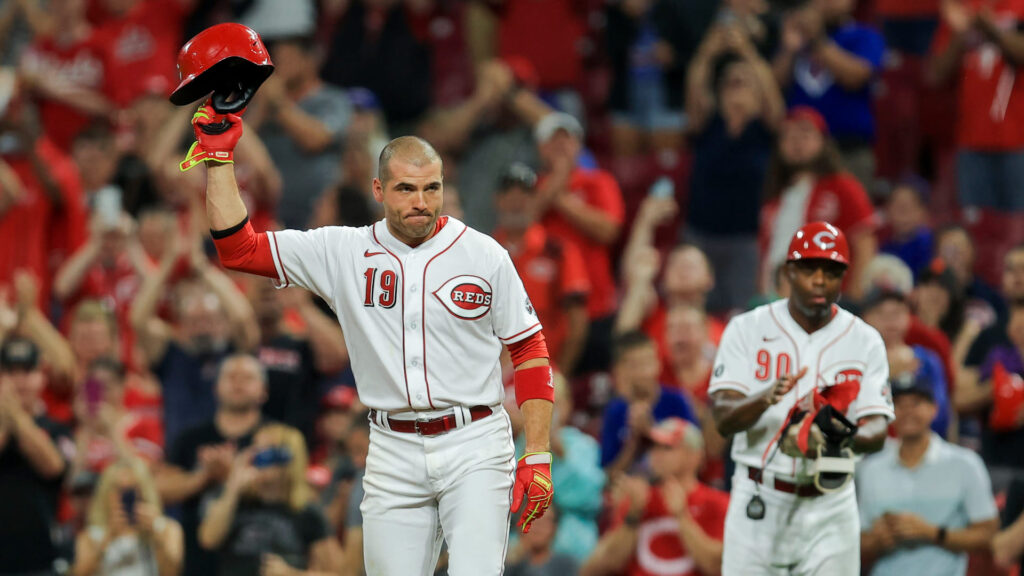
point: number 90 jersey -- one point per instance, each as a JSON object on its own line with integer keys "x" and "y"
{"x": 766, "y": 343}
{"x": 424, "y": 326}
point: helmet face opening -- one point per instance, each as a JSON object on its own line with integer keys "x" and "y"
{"x": 228, "y": 60}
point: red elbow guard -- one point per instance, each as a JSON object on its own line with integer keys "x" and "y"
{"x": 241, "y": 248}
{"x": 534, "y": 383}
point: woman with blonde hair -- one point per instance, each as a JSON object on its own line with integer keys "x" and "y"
{"x": 127, "y": 534}
{"x": 265, "y": 521}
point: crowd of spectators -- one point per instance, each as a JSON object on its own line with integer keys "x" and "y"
{"x": 644, "y": 162}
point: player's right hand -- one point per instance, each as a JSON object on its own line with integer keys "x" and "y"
{"x": 783, "y": 385}
{"x": 216, "y": 137}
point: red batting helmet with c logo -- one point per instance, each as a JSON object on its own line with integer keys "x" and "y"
{"x": 820, "y": 241}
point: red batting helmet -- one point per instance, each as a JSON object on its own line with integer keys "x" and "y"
{"x": 223, "y": 59}
{"x": 819, "y": 240}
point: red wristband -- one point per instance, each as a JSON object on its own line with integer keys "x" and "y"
{"x": 534, "y": 383}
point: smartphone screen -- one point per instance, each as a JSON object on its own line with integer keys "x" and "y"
{"x": 128, "y": 503}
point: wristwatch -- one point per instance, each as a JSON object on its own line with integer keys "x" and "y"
{"x": 940, "y": 538}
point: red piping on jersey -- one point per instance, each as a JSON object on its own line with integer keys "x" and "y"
{"x": 423, "y": 310}
{"x": 731, "y": 383}
{"x": 872, "y": 409}
{"x": 520, "y": 332}
{"x": 829, "y": 345}
{"x": 277, "y": 254}
{"x": 373, "y": 230}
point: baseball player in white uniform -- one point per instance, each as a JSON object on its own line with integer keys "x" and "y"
{"x": 787, "y": 513}
{"x": 426, "y": 304}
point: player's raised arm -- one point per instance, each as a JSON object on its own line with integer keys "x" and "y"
{"x": 238, "y": 245}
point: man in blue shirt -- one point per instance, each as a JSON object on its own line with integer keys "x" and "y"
{"x": 642, "y": 402}
{"x": 924, "y": 503}
{"x": 827, "y": 60}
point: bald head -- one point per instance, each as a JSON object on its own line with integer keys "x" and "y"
{"x": 409, "y": 149}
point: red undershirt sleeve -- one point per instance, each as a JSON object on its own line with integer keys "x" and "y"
{"x": 241, "y": 248}
{"x": 528, "y": 349}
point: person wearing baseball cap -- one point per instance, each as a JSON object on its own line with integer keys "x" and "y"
{"x": 670, "y": 518}
{"x": 888, "y": 311}
{"x": 802, "y": 385}
{"x": 806, "y": 183}
{"x": 31, "y": 464}
{"x": 554, "y": 272}
{"x": 925, "y": 504}
{"x": 584, "y": 207}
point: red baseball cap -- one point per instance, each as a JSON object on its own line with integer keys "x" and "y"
{"x": 819, "y": 240}
{"x": 808, "y": 114}
{"x": 674, "y": 431}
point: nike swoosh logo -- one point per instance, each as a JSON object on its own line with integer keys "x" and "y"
{"x": 368, "y": 253}
{"x": 767, "y": 339}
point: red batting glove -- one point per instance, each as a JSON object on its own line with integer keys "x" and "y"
{"x": 216, "y": 135}
{"x": 533, "y": 479}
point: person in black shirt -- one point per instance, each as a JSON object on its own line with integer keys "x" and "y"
{"x": 31, "y": 465}
{"x": 734, "y": 107}
{"x": 265, "y": 521}
{"x": 973, "y": 394}
{"x": 199, "y": 460}
{"x": 295, "y": 363}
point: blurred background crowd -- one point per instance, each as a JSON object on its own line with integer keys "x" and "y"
{"x": 645, "y": 163}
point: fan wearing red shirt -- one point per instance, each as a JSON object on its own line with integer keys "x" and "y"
{"x": 673, "y": 527}
{"x": 42, "y": 214}
{"x": 585, "y": 208}
{"x": 552, "y": 270}
{"x": 141, "y": 39}
{"x": 806, "y": 183}
{"x": 65, "y": 73}
{"x": 980, "y": 44}
{"x": 548, "y": 34}
{"x": 109, "y": 268}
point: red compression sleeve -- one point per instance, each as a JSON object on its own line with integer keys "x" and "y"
{"x": 241, "y": 248}
{"x": 528, "y": 348}
{"x": 534, "y": 383}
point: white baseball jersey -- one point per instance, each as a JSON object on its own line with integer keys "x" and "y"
{"x": 424, "y": 326}
{"x": 766, "y": 343}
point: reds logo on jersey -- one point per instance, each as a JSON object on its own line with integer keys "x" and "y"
{"x": 467, "y": 297}
{"x": 848, "y": 375}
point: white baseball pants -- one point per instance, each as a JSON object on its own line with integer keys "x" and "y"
{"x": 456, "y": 486}
{"x": 797, "y": 537}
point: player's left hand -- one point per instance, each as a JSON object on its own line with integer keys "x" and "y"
{"x": 216, "y": 137}
{"x": 533, "y": 482}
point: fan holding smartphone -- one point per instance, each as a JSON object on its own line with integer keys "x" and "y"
{"x": 127, "y": 531}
